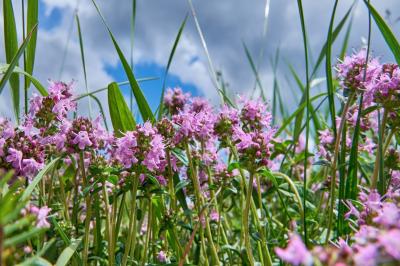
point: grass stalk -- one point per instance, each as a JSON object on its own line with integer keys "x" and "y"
{"x": 335, "y": 158}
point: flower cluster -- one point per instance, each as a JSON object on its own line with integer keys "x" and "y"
{"x": 142, "y": 151}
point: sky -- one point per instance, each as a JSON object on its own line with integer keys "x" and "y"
{"x": 226, "y": 25}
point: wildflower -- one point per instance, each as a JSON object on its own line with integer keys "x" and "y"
{"x": 162, "y": 257}
{"x": 325, "y": 136}
{"x": 42, "y": 217}
{"x": 214, "y": 216}
{"x": 390, "y": 242}
{"x": 14, "y": 157}
{"x": 175, "y": 100}
{"x": 144, "y": 146}
{"x": 295, "y": 253}
{"x": 82, "y": 139}
{"x": 366, "y": 256}
{"x": 30, "y": 167}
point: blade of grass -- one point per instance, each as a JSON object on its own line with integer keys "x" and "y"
{"x": 307, "y": 90}
{"x": 299, "y": 118}
{"x": 32, "y": 20}
{"x": 254, "y": 69}
{"x": 100, "y": 109}
{"x": 335, "y": 34}
{"x": 68, "y": 252}
{"x": 78, "y": 24}
{"x": 141, "y": 101}
{"x": 295, "y": 113}
{"x": 132, "y": 33}
{"x": 351, "y": 190}
{"x": 263, "y": 38}
{"x": 11, "y": 49}
{"x": 346, "y": 39}
{"x": 211, "y": 68}
{"x": 328, "y": 71}
{"x": 14, "y": 61}
{"x": 121, "y": 117}
{"x": 171, "y": 56}
{"x": 387, "y": 33}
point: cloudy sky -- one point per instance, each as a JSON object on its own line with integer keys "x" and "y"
{"x": 226, "y": 25}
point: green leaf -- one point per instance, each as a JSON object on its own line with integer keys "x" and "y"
{"x": 387, "y": 33}
{"x": 121, "y": 117}
{"x": 28, "y": 191}
{"x": 141, "y": 101}
{"x": 171, "y": 56}
{"x": 68, "y": 252}
{"x": 11, "y": 50}
{"x": 32, "y": 20}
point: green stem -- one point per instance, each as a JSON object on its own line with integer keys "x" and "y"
{"x": 108, "y": 227}
{"x": 132, "y": 222}
{"x": 199, "y": 203}
{"x": 148, "y": 233}
{"x": 171, "y": 182}
{"x": 245, "y": 220}
{"x": 374, "y": 179}
{"x": 88, "y": 213}
{"x": 335, "y": 157}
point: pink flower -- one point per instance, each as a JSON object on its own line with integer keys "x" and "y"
{"x": 391, "y": 243}
{"x": 295, "y": 253}
{"x": 214, "y": 216}
{"x": 366, "y": 256}
{"x": 41, "y": 215}
{"x": 35, "y": 104}
{"x": 325, "y": 136}
{"x": 82, "y": 139}
{"x": 162, "y": 257}
{"x": 2, "y": 142}
{"x": 31, "y": 167}
{"x": 161, "y": 179}
{"x": 245, "y": 140}
{"x": 14, "y": 157}
{"x": 389, "y": 215}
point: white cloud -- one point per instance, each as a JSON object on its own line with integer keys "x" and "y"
{"x": 226, "y": 23}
